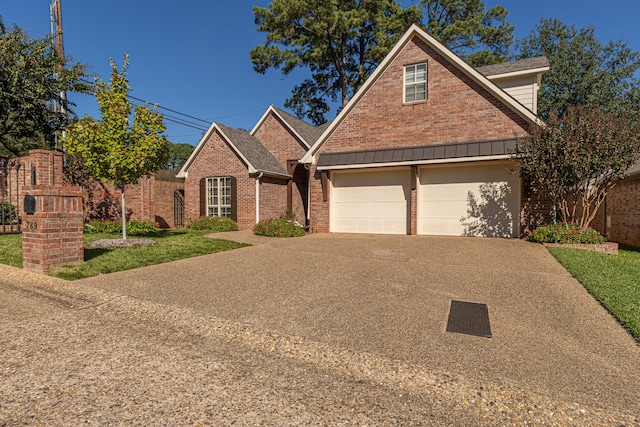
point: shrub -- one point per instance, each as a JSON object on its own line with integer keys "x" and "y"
{"x": 7, "y": 213}
{"x": 115, "y": 226}
{"x": 213, "y": 223}
{"x": 143, "y": 227}
{"x": 565, "y": 233}
{"x": 280, "y": 227}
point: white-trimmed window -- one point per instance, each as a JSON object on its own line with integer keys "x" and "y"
{"x": 219, "y": 196}
{"x": 415, "y": 82}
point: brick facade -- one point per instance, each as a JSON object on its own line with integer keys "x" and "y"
{"x": 619, "y": 219}
{"x": 53, "y": 233}
{"x": 273, "y": 197}
{"x": 285, "y": 146}
{"x": 457, "y": 109}
{"x": 217, "y": 159}
{"x": 163, "y": 203}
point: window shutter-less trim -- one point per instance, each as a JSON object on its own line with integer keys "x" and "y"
{"x": 203, "y": 197}
{"x": 234, "y": 199}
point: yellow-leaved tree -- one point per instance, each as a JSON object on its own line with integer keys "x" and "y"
{"x": 126, "y": 143}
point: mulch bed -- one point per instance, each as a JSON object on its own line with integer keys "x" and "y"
{"x": 119, "y": 243}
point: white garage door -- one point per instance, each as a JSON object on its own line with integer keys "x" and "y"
{"x": 373, "y": 201}
{"x": 469, "y": 200}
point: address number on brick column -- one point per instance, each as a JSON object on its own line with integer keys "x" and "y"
{"x": 32, "y": 225}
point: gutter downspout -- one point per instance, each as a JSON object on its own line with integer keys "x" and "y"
{"x": 308, "y": 168}
{"x": 258, "y": 197}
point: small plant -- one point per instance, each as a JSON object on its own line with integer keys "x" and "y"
{"x": 213, "y": 223}
{"x": 103, "y": 226}
{"x": 281, "y": 227}
{"x": 7, "y": 214}
{"x": 565, "y": 233}
{"x": 144, "y": 227}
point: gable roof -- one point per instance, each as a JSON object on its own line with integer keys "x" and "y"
{"x": 529, "y": 66}
{"x": 413, "y": 32}
{"x": 306, "y": 133}
{"x": 249, "y": 148}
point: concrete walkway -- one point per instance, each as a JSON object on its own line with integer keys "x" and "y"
{"x": 390, "y": 295}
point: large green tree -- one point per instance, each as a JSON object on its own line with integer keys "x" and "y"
{"x": 342, "y": 41}
{"x": 178, "y": 154}
{"x": 339, "y": 41}
{"x": 577, "y": 158}
{"x": 479, "y": 36}
{"x": 31, "y": 80}
{"x": 584, "y": 71}
{"x": 121, "y": 147}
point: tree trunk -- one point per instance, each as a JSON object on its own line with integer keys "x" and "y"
{"x": 124, "y": 215}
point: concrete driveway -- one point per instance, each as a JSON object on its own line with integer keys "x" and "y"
{"x": 390, "y": 295}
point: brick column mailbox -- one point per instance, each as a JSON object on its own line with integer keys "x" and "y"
{"x": 52, "y": 226}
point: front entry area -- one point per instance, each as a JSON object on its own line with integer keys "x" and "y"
{"x": 370, "y": 201}
{"x": 480, "y": 199}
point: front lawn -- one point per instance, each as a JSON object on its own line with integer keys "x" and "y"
{"x": 612, "y": 279}
{"x": 172, "y": 245}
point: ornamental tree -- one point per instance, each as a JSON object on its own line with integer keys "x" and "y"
{"x": 577, "y": 158}
{"x": 121, "y": 147}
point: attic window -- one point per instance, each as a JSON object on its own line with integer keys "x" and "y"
{"x": 415, "y": 82}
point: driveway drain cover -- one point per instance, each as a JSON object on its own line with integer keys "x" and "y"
{"x": 469, "y": 318}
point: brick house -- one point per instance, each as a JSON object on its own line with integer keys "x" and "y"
{"x": 424, "y": 147}
{"x": 250, "y": 176}
{"x": 618, "y": 219}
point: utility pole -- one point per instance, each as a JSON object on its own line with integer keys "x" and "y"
{"x": 55, "y": 15}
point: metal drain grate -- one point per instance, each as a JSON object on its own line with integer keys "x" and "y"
{"x": 469, "y": 318}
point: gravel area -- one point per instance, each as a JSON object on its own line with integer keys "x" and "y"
{"x": 72, "y": 355}
{"x": 120, "y": 243}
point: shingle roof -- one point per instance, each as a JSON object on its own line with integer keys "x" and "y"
{"x": 512, "y": 67}
{"x": 308, "y": 132}
{"x": 254, "y": 151}
{"x": 415, "y": 154}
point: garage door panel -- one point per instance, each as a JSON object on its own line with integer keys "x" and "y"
{"x": 370, "y": 202}
{"x": 468, "y": 200}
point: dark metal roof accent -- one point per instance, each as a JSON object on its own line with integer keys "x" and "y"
{"x": 415, "y": 154}
{"x": 515, "y": 66}
{"x": 308, "y": 132}
{"x": 254, "y": 151}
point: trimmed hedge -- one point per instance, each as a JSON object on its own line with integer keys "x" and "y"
{"x": 565, "y": 233}
{"x": 280, "y": 227}
{"x": 213, "y": 223}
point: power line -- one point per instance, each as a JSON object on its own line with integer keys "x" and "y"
{"x": 179, "y": 120}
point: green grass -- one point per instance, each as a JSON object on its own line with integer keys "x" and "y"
{"x": 11, "y": 249}
{"x": 612, "y": 279}
{"x": 172, "y": 245}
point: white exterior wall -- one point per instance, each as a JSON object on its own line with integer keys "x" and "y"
{"x": 523, "y": 89}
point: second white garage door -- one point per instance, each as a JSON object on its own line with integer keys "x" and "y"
{"x": 372, "y": 201}
{"x": 472, "y": 200}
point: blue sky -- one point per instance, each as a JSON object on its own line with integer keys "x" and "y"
{"x": 192, "y": 56}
